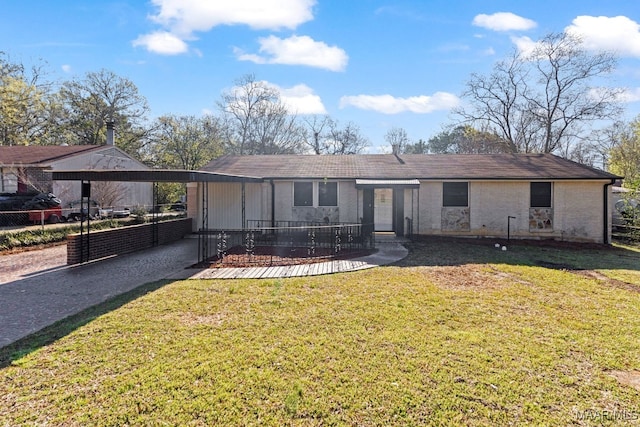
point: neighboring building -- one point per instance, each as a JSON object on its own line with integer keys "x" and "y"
{"x": 539, "y": 196}
{"x": 25, "y": 169}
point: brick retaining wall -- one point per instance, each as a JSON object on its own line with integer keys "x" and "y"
{"x": 117, "y": 241}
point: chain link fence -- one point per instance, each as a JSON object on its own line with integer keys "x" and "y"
{"x": 19, "y": 218}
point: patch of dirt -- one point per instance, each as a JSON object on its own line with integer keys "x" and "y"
{"x": 276, "y": 256}
{"x": 628, "y": 378}
{"x": 469, "y": 276}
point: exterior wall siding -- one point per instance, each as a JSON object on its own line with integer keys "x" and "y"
{"x": 346, "y": 211}
{"x": 225, "y": 204}
{"x": 349, "y": 199}
{"x": 126, "y": 193}
{"x": 576, "y": 213}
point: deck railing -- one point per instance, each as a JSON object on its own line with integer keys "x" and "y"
{"x": 294, "y": 239}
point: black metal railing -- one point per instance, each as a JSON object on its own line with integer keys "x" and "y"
{"x": 287, "y": 239}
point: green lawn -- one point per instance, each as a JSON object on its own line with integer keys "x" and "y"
{"x": 458, "y": 333}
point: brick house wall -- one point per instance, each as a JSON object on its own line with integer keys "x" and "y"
{"x": 117, "y": 241}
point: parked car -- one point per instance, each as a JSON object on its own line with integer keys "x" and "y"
{"x": 115, "y": 213}
{"x": 11, "y": 212}
{"x": 44, "y": 207}
{"x": 178, "y": 206}
{"x": 77, "y": 212}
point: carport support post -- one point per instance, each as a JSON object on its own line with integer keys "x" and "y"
{"x": 85, "y": 193}
{"x": 154, "y": 215}
{"x": 203, "y": 244}
{"x": 244, "y": 214}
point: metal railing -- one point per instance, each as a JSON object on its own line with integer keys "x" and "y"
{"x": 282, "y": 243}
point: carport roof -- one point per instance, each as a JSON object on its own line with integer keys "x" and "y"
{"x": 150, "y": 175}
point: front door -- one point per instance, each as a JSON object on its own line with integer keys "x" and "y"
{"x": 383, "y": 209}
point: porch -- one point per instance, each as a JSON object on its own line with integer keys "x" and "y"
{"x": 278, "y": 243}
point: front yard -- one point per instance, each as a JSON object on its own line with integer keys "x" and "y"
{"x": 458, "y": 333}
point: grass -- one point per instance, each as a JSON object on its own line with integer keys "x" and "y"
{"x": 456, "y": 334}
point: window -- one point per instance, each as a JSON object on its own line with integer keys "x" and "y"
{"x": 303, "y": 194}
{"x": 455, "y": 194}
{"x": 540, "y": 194}
{"x": 327, "y": 194}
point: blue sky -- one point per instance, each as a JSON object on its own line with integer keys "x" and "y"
{"x": 380, "y": 64}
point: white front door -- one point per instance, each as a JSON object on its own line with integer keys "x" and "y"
{"x": 383, "y": 209}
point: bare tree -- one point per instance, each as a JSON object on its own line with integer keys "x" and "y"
{"x": 344, "y": 140}
{"x": 257, "y": 121}
{"x": 542, "y": 101}
{"x": 397, "y": 138}
{"x": 315, "y": 132}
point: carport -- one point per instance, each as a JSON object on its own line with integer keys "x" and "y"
{"x": 156, "y": 176}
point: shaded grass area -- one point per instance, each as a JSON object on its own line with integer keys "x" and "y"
{"x": 455, "y": 334}
{"x": 52, "y": 333}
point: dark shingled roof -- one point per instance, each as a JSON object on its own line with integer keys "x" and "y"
{"x": 419, "y": 166}
{"x": 40, "y": 154}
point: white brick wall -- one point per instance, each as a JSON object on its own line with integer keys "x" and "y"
{"x": 577, "y": 207}
{"x": 577, "y": 210}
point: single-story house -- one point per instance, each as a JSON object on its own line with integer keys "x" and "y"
{"x": 25, "y": 169}
{"x": 534, "y": 196}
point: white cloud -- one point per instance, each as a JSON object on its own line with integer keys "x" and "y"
{"x": 182, "y": 18}
{"x": 162, "y": 42}
{"x": 301, "y": 99}
{"x": 298, "y": 99}
{"x": 388, "y": 104}
{"x": 524, "y": 44}
{"x": 188, "y": 16}
{"x": 66, "y": 68}
{"x": 630, "y": 95}
{"x": 503, "y": 21}
{"x": 618, "y": 34}
{"x": 297, "y": 50}
{"x": 489, "y": 52}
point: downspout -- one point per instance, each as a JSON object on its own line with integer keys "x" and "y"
{"x": 605, "y": 216}
{"x": 273, "y": 204}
